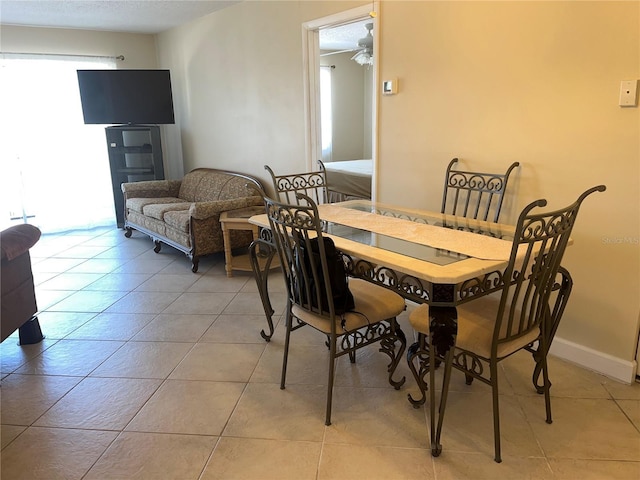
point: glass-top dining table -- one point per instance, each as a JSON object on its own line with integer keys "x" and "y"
{"x": 426, "y": 257}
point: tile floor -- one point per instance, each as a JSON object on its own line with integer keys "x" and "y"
{"x": 151, "y": 371}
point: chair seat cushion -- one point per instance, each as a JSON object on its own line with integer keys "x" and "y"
{"x": 372, "y": 304}
{"x": 476, "y": 322}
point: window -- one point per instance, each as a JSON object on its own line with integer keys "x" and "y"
{"x": 54, "y": 171}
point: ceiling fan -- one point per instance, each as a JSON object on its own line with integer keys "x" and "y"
{"x": 364, "y": 51}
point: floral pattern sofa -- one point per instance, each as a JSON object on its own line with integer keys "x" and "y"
{"x": 186, "y": 213}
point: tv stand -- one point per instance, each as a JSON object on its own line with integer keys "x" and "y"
{"x": 135, "y": 154}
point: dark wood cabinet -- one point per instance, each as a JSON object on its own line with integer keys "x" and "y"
{"x": 135, "y": 154}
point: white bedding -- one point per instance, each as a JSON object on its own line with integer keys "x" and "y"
{"x": 351, "y": 178}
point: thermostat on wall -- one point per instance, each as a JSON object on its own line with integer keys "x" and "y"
{"x": 390, "y": 87}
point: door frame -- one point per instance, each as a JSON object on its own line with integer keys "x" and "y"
{"x": 311, "y": 72}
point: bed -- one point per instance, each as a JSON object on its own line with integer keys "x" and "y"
{"x": 349, "y": 179}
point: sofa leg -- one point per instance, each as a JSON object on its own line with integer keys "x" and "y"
{"x": 30, "y": 332}
{"x": 194, "y": 264}
{"x": 127, "y": 232}
{"x": 157, "y": 246}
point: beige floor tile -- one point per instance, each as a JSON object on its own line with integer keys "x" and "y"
{"x": 218, "y": 284}
{"x": 111, "y": 326}
{"x": 236, "y": 329}
{"x": 97, "y": 265}
{"x": 85, "y": 301}
{"x": 82, "y": 251}
{"x": 70, "y": 281}
{"x": 455, "y": 465}
{"x": 622, "y": 390}
{"x": 631, "y": 408}
{"x": 374, "y": 463}
{"x": 307, "y": 365}
{"x": 268, "y": 460}
{"x": 48, "y": 298}
{"x": 175, "y": 328}
{"x": 583, "y": 428}
{"x": 219, "y": 362}
{"x": 567, "y": 380}
{"x": 566, "y": 469}
{"x": 265, "y": 411}
{"x": 143, "y": 302}
{"x": 57, "y": 325}
{"x": 143, "y": 264}
{"x": 376, "y": 416}
{"x": 118, "y": 282}
{"x": 251, "y": 304}
{"x": 26, "y": 397}
{"x": 48, "y": 453}
{"x": 153, "y": 456}
{"x": 143, "y": 360}
{"x": 9, "y": 433}
{"x": 200, "y": 303}
{"x": 13, "y": 355}
{"x": 100, "y": 403}
{"x": 71, "y": 357}
{"x": 168, "y": 283}
{"x": 468, "y": 425}
{"x": 56, "y": 265}
{"x": 183, "y": 406}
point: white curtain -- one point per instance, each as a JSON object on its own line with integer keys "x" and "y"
{"x": 326, "y": 114}
{"x": 54, "y": 169}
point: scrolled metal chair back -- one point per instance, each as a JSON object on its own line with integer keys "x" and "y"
{"x": 310, "y": 184}
{"x": 293, "y": 226}
{"x": 530, "y": 278}
{"x": 474, "y": 194}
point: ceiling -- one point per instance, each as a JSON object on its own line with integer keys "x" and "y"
{"x": 134, "y": 16}
{"x": 141, "y": 16}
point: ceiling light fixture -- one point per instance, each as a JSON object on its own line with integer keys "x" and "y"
{"x": 365, "y": 55}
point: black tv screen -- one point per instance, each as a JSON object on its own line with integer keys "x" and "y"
{"x": 126, "y": 96}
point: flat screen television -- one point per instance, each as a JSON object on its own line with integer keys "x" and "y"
{"x": 134, "y": 97}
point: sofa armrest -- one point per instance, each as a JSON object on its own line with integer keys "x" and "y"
{"x": 203, "y": 210}
{"x": 16, "y": 240}
{"x": 151, "y": 188}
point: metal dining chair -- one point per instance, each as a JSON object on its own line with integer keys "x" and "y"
{"x": 474, "y": 194}
{"x": 311, "y": 184}
{"x": 310, "y": 299}
{"x": 518, "y": 316}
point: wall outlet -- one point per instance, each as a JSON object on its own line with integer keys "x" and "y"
{"x": 628, "y": 93}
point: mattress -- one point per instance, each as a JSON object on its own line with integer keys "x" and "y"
{"x": 351, "y": 178}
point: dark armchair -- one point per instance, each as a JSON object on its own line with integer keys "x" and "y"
{"x": 18, "y": 298}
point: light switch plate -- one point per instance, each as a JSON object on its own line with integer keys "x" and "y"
{"x": 628, "y": 93}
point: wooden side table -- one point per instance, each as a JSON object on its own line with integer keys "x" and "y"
{"x": 238, "y": 220}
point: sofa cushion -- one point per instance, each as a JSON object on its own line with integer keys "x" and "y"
{"x": 157, "y": 210}
{"x": 138, "y": 204}
{"x": 178, "y": 219}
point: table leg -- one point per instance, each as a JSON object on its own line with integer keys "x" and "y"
{"x": 228, "y": 257}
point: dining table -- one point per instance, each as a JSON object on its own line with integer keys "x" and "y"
{"x": 426, "y": 257}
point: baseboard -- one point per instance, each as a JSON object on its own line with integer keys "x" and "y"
{"x": 613, "y": 367}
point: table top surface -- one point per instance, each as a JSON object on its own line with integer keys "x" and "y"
{"x": 432, "y": 246}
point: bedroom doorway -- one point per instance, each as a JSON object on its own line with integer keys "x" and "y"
{"x": 349, "y": 132}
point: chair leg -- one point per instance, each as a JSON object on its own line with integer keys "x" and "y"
{"x": 332, "y": 368}
{"x": 418, "y": 351}
{"x": 448, "y": 361}
{"x": 496, "y": 411}
{"x": 388, "y": 346}
{"x": 547, "y": 387}
{"x": 285, "y": 356}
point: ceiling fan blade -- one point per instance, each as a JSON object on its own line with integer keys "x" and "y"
{"x": 339, "y": 51}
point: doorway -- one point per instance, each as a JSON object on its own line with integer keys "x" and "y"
{"x": 353, "y": 123}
